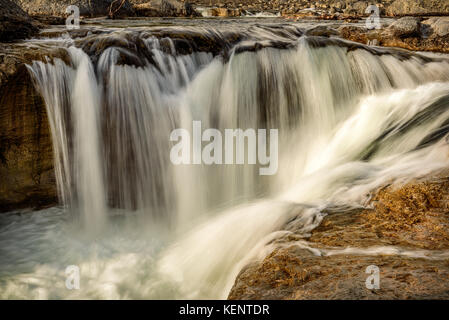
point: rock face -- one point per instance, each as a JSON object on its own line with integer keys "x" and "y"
{"x": 412, "y": 218}
{"x": 87, "y": 7}
{"x": 26, "y": 156}
{"x": 14, "y": 23}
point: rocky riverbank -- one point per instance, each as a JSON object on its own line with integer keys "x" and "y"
{"x": 331, "y": 7}
{"x": 405, "y": 235}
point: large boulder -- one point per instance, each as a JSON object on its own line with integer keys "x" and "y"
{"x": 405, "y": 27}
{"x": 14, "y": 23}
{"x": 87, "y": 7}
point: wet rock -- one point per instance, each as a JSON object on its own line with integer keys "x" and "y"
{"x": 296, "y": 273}
{"x": 26, "y": 156}
{"x": 14, "y": 23}
{"x": 26, "y": 159}
{"x": 405, "y": 235}
{"x": 323, "y": 31}
{"x": 50, "y": 20}
{"x": 177, "y": 40}
{"x": 354, "y": 33}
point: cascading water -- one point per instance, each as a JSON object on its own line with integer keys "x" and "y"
{"x": 350, "y": 118}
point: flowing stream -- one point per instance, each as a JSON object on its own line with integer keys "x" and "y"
{"x": 350, "y": 119}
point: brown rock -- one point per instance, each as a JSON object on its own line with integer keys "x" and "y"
{"x": 322, "y": 31}
{"x": 26, "y": 156}
{"x": 293, "y": 273}
{"x": 412, "y": 217}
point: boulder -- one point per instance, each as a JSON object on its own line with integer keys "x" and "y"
{"x": 14, "y": 22}
{"x": 437, "y": 25}
{"x": 405, "y": 27}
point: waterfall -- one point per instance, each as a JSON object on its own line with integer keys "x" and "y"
{"x": 89, "y": 175}
{"x": 76, "y": 87}
{"x": 349, "y": 118}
